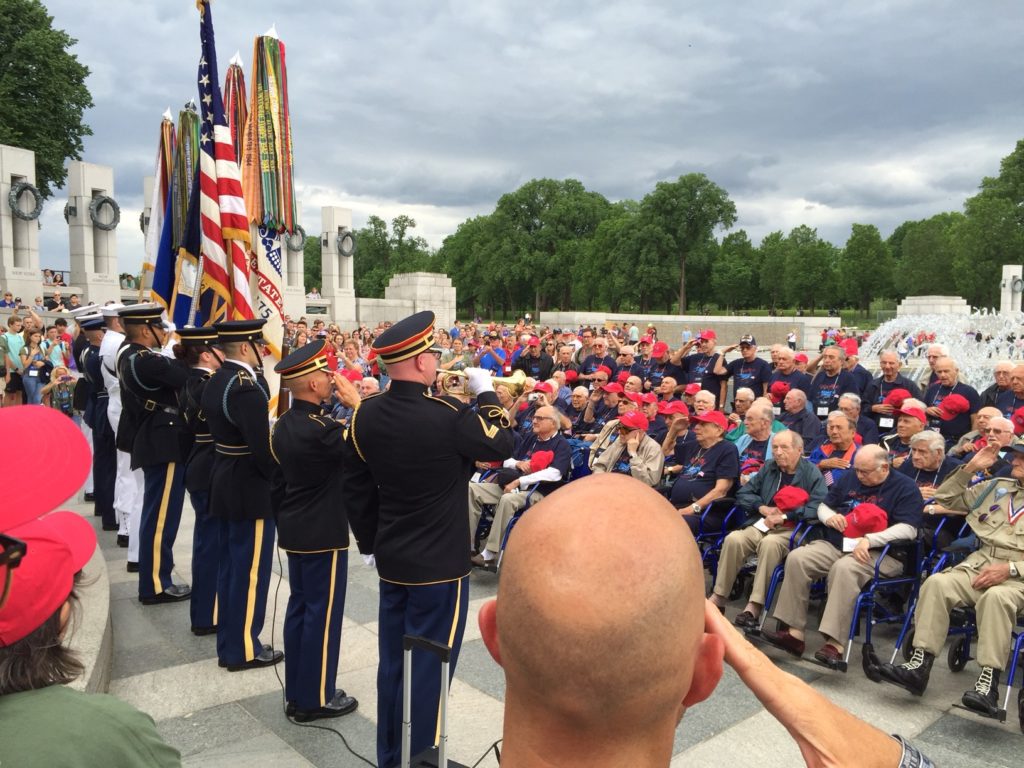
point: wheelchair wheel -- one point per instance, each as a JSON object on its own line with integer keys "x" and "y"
{"x": 957, "y": 656}
{"x": 738, "y": 587}
{"x": 908, "y": 645}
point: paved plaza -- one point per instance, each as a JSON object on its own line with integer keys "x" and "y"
{"x": 234, "y": 720}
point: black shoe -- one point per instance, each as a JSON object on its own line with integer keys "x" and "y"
{"x": 89, "y": 497}
{"x": 122, "y": 541}
{"x": 267, "y": 658}
{"x": 341, "y": 704}
{"x": 173, "y": 594}
{"x": 289, "y": 708}
{"x": 912, "y": 675}
{"x": 200, "y": 631}
{"x": 984, "y": 699}
{"x": 745, "y": 620}
{"x": 132, "y": 567}
{"x": 111, "y": 527}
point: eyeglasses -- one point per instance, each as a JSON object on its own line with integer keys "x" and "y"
{"x": 13, "y": 550}
{"x": 600, "y": 381}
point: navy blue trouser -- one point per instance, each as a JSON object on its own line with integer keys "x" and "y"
{"x": 243, "y": 580}
{"x": 205, "y": 559}
{"x": 163, "y": 496}
{"x": 434, "y": 611}
{"x": 312, "y": 626}
{"x": 104, "y": 465}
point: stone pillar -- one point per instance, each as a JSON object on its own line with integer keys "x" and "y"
{"x": 19, "y": 239}
{"x": 336, "y": 270}
{"x": 294, "y": 294}
{"x": 93, "y": 250}
{"x": 426, "y": 290}
{"x": 1010, "y": 289}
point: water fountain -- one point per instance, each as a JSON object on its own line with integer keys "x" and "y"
{"x": 958, "y": 333}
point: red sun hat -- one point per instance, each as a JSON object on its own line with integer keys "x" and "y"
{"x": 864, "y": 519}
{"x": 712, "y": 417}
{"x": 778, "y": 391}
{"x": 57, "y": 547}
{"x": 634, "y": 420}
{"x": 952, "y": 406}
{"x": 789, "y": 498}
{"x": 914, "y": 413}
{"x": 33, "y": 488}
{"x": 896, "y": 397}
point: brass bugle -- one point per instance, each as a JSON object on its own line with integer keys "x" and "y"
{"x": 452, "y": 383}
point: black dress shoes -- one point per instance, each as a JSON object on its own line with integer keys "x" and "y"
{"x": 112, "y": 527}
{"x": 173, "y": 594}
{"x": 122, "y": 541}
{"x": 132, "y": 567}
{"x": 341, "y": 704}
{"x": 89, "y": 497}
{"x": 268, "y": 657}
{"x": 200, "y": 631}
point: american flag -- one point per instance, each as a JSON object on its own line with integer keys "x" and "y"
{"x": 225, "y": 225}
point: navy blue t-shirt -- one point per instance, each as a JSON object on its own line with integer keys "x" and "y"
{"x": 876, "y": 392}
{"x": 862, "y": 377}
{"x": 959, "y": 425}
{"x": 933, "y": 477}
{"x": 796, "y": 379}
{"x": 754, "y": 374}
{"x": 1007, "y": 403}
{"x": 826, "y": 390}
{"x": 898, "y": 495}
{"x": 658, "y": 371}
{"x": 562, "y": 459}
{"x": 700, "y": 369}
{"x": 592, "y": 362}
{"x": 701, "y": 468}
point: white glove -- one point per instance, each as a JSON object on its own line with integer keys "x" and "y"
{"x": 478, "y": 380}
{"x": 370, "y": 561}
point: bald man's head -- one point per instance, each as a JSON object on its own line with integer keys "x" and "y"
{"x": 600, "y": 611}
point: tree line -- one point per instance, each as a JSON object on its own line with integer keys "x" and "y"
{"x": 553, "y": 244}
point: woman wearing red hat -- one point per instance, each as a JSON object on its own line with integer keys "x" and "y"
{"x": 709, "y": 467}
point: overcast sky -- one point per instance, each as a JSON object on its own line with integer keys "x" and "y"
{"x": 806, "y": 112}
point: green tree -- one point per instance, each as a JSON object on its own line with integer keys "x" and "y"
{"x": 865, "y": 267}
{"x": 895, "y": 240}
{"x": 734, "y": 279}
{"x": 688, "y": 210}
{"x": 809, "y": 273}
{"x": 988, "y": 237}
{"x": 773, "y": 252}
{"x": 381, "y": 254}
{"x": 311, "y": 267}
{"x": 42, "y": 88}
{"x": 928, "y": 255}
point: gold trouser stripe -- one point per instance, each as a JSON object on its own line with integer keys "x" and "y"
{"x": 215, "y": 606}
{"x": 158, "y": 536}
{"x": 327, "y": 629}
{"x": 451, "y": 640}
{"x": 250, "y": 601}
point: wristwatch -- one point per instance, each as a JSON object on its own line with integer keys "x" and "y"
{"x": 696, "y": 507}
{"x": 1014, "y": 573}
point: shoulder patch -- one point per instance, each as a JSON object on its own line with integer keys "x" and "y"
{"x": 245, "y": 379}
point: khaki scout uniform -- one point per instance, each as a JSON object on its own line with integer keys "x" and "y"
{"x": 995, "y": 512}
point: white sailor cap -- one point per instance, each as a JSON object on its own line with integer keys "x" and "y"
{"x": 112, "y": 310}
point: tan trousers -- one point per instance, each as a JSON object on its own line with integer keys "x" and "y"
{"x": 997, "y": 608}
{"x": 846, "y": 577}
{"x": 506, "y": 505}
{"x": 771, "y": 548}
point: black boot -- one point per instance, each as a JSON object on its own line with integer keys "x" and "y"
{"x": 984, "y": 699}
{"x": 912, "y": 675}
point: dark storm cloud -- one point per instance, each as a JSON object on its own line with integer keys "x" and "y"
{"x": 805, "y": 111}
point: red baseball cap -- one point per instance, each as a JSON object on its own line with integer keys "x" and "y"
{"x": 778, "y": 391}
{"x": 692, "y": 389}
{"x": 571, "y": 376}
{"x": 896, "y": 397}
{"x": 850, "y": 347}
{"x": 865, "y": 518}
{"x": 659, "y": 349}
{"x": 604, "y": 369}
{"x": 57, "y": 547}
{"x": 648, "y": 397}
{"x": 635, "y": 397}
{"x": 789, "y": 497}
{"x": 915, "y": 413}
{"x": 646, "y": 340}
{"x": 634, "y": 420}
{"x": 708, "y": 335}
{"x": 1018, "y": 421}
{"x": 673, "y": 406}
{"x": 543, "y": 386}
{"x": 352, "y": 375}
{"x": 534, "y": 341}
{"x": 800, "y": 357}
{"x": 952, "y": 406}
{"x": 541, "y": 460}
{"x": 613, "y": 387}
{"x": 32, "y": 488}
{"x": 712, "y": 417}
{"x": 622, "y": 376}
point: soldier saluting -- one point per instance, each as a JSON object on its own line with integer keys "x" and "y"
{"x": 409, "y": 458}
{"x": 235, "y": 404}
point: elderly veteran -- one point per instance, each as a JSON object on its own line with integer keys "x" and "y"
{"x": 634, "y": 452}
{"x": 795, "y": 416}
{"x": 952, "y": 406}
{"x": 991, "y": 579}
{"x": 910, "y": 419}
{"x": 849, "y": 552}
{"x": 876, "y": 394}
{"x": 788, "y": 489}
{"x": 834, "y": 457}
{"x": 709, "y": 467}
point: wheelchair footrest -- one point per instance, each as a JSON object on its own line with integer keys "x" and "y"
{"x": 1000, "y": 715}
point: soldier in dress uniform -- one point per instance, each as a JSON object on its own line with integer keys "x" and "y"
{"x": 408, "y": 461}
{"x": 103, "y": 450}
{"x": 196, "y": 351}
{"x": 149, "y": 391}
{"x": 83, "y": 390}
{"x": 235, "y": 406}
{"x": 312, "y": 528}
{"x": 991, "y": 579}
